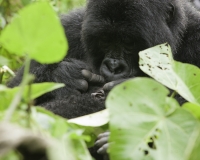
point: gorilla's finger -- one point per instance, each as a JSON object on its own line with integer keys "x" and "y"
{"x": 103, "y": 149}
{"x": 108, "y": 86}
{"x": 91, "y": 77}
{"x": 105, "y": 134}
{"x": 101, "y": 141}
{"x": 82, "y": 85}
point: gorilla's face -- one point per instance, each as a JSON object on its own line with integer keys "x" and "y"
{"x": 114, "y": 31}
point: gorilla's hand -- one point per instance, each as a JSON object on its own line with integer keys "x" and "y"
{"x": 95, "y": 79}
{"x": 102, "y": 143}
{"x": 75, "y": 75}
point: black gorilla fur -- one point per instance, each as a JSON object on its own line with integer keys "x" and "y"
{"x": 105, "y": 38}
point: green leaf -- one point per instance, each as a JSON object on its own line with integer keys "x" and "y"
{"x": 92, "y": 124}
{"x": 37, "y": 90}
{"x": 70, "y": 147}
{"x": 183, "y": 78}
{"x": 93, "y": 120}
{"x": 36, "y": 31}
{"x": 141, "y": 112}
{"x": 2, "y": 88}
{"x": 190, "y": 75}
{"x": 3, "y": 61}
{"x": 194, "y": 146}
{"x": 70, "y": 141}
{"x": 193, "y": 108}
{"x": 55, "y": 125}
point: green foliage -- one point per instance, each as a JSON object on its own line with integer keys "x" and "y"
{"x": 193, "y": 108}
{"x": 94, "y": 120}
{"x": 148, "y": 115}
{"x": 60, "y": 139}
{"x": 10, "y": 8}
{"x": 151, "y": 125}
{"x": 69, "y": 138}
{"x": 157, "y": 62}
{"x": 7, "y": 94}
{"x": 21, "y": 37}
{"x": 145, "y": 123}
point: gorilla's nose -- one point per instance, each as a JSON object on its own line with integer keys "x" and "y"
{"x": 114, "y": 69}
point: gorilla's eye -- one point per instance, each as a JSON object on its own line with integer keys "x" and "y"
{"x": 170, "y": 13}
{"x": 103, "y": 41}
{"x": 104, "y": 38}
{"x": 127, "y": 41}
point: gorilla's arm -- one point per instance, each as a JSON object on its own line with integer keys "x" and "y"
{"x": 67, "y": 72}
{"x": 73, "y": 106}
{"x": 75, "y": 98}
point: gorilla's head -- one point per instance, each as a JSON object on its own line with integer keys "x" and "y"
{"x": 114, "y": 31}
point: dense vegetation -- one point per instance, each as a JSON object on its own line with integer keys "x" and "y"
{"x": 10, "y": 8}
{"x": 139, "y": 112}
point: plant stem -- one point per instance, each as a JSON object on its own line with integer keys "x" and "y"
{"x": 29, "y": 102}
{"x": 1, "y": 75}
{"x": 173, "y": 94}
{"x": 18, "y": 96}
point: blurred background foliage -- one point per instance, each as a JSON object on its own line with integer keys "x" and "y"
{"x": 9, "y": 9}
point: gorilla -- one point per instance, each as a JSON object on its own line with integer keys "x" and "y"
{"x": 104, "y": 40}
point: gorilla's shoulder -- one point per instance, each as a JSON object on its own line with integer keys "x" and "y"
{"x": 75, "y": 17}
{"x": 72, "y": 23}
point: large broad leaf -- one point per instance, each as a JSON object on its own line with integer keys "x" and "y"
{"x": 141, "y": 112}
{"x": 37, "y": 90}
{"x": 194, "y": 147}
{"x": 183, "y": 78}
{"x": 36, "y": 31}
